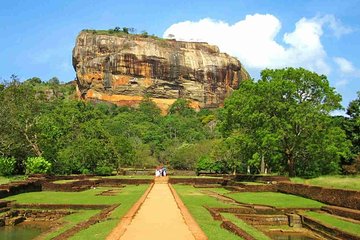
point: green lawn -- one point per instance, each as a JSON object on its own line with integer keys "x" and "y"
{"x": 338, "y": 181}
{"x": 178, "y": 176}
{"x": 71, "y": 220}
{"x": 194, "y": 201}
{"x": 5, "y": 180}
{"x": 343, "y": 225}
{"x": 274, "y": 199}
{"x": 127, "y": 196}
{"x": 65, "y": 181}
{"x": 246, "y": 227}
{"x": 130, "y": 177}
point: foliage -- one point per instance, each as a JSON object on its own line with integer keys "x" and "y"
{"x": 7, "y": 166}
{"x": 284, "y": 119}
{"x": 280, "y": 124}
{"x": 37, "y": 165}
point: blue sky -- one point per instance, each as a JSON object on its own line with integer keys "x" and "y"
{"x": 37, "y": 37}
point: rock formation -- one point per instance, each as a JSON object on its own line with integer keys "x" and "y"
{"x": 123, "y": 68}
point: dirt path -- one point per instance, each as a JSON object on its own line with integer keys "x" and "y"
{"x": 158, "y": 218}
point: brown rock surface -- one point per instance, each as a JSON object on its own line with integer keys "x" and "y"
{"x": 123, "y": 68}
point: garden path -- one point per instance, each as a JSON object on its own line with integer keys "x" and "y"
{"x": 158, "y": 217}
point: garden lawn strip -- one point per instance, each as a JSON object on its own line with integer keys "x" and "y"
{"x": 127, "y": 198}
{"x": 71, "y": 220}
{"x": 246, "y": 227}
{"x": 338, "y": 182}
{"x": 278, "y": 200}
{"x": 333, "y": 221}
{"x": 195, "y": 201}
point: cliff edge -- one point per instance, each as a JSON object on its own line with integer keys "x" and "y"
{"x": 123, "y": 68}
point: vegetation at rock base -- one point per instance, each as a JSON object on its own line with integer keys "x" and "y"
{"x": 279, "y": 124}
{"x": 283, "y": 123}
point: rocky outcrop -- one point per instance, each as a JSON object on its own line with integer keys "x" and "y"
{"x": 123, "y": 68}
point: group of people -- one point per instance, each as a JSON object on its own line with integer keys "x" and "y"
{"x": 160, "y": 171}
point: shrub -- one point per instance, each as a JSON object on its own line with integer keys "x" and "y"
{"x": 103, "y": 170}
{"x": 7, "y": 166}
{"x": 37, "y": 165}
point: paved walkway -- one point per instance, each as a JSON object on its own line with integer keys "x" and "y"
{"x": 158, "y": 217}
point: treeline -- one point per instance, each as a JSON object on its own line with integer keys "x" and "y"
{"x": 279, "y": 124}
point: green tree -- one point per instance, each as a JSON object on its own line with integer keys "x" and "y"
{"x": 287, "y": 114}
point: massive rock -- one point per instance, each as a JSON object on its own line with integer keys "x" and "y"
{"x": 123, "y": 68}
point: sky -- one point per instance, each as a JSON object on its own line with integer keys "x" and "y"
{"x": 37, "y": 37}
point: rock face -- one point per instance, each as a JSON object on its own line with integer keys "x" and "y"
{"x": 123, "y": 68}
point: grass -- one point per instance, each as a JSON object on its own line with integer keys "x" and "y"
{"x": 274, "y": 199}
{"x": 246, "y": 227}
{"x": 71, "y": 220}
{"x": 195, "y": 202}
{"x": 130, "y": 177}
{"x": 337, "y": 181}
{"x": 126, "y": 198}
{"x": 65, "y": 181}
{"x": 5, "y": 180}
{"x": 343, "y": 225}
{"x": 252, "y": 183}
{"x": 193, "y": 177}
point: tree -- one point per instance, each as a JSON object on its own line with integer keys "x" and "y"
{"x": 54, "y": 81}
{"x": 287, "y": 114}
{"x": 353, "y": 110}
{"x": 351, "y": 125}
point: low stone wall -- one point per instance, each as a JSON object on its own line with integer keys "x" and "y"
{"x": 338, "y": 197}
{"x": 42, "y": 215}
{"x": 197, "y": 181}
{"x": 261, "y": 178}
{"x": 252, "y": 188}
{"x": 258, "y": 219}
{"x": 343, "y": 212}
{"x": 105, "y": 182}
{"x": 327, "y": 231}
{"x": 58, "y": 206}
{"x": 86, "y": 224}
{"x": 20, "y": 187}
{"x": 82, "y": 185}
{"x": 236, "y": 230}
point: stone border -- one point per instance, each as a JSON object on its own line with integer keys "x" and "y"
{"x": 194, "y": 227}
{"x": 120, "y": 228}
{"x": 342, "y": 212}
{"x": 236, "y": 230}
{"x": 338, "y": 197}
{"x": 59, "y": 206}
{"x": 327, "y": 231}
{"x": 86, "y": 224}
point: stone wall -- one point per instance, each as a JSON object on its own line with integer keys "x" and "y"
{"x": 338, "y": 197}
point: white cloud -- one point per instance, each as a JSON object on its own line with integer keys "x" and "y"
{"x": 252, "y": 40}
{"x": 335, "y": 25}
{"x": 341, "y": 83}
{"x": 344, "y": 65}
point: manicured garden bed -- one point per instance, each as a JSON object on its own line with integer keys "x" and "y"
{"x": 125, "y": 196}
{"x": 279, "y": 200}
